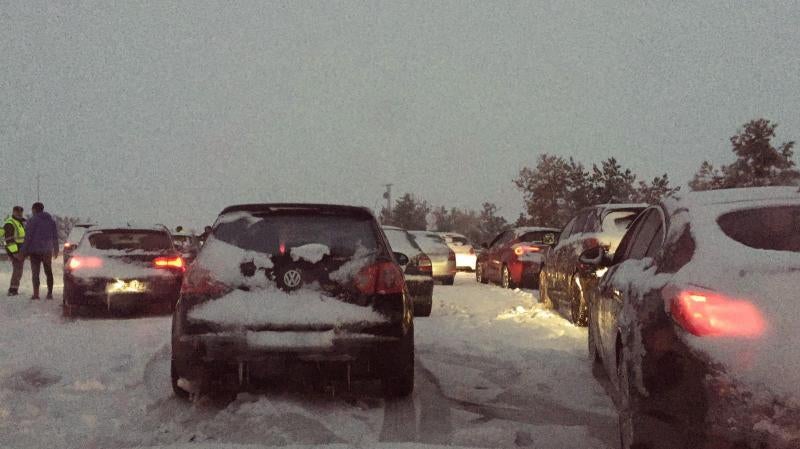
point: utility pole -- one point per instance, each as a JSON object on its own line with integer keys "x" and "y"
{"x": 37, "y": 187}
{"x": 388, "y": 196}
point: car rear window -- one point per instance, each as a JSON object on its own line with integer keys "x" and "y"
{"x": 277, "y": 233}
{"x": 130, "y": 240}
{"x": 548, "y": 237}
{"x": 617, "y": 222}
{"x": 402, "y": 242}
{"x": 773, "y": 228}
{"x": 430, "y": 243}
{"x": 459, "y": 241}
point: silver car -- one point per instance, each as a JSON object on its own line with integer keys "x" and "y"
{"x": 465, "y": 251}
{"x": 442, "y": 257}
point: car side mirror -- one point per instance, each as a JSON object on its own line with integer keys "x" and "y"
{"x": 401, "y": 259}
{"x": 593, "y": 259}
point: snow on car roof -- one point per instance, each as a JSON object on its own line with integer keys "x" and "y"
{"x": 524, "y": 229}
{"x": 127, "y": 226}
{"x": 726, "y": 196}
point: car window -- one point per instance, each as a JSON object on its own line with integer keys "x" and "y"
{"x": 568, "y": 227}
{"x": 624, "y": 247}
{"x": 772, "y": 228}
{"x": 656, "y": 242}
{"x": 501, "y": 239}
{"x": 402, "y": 242}
{"x": 593, "y": 221}
{"x": 277, "y": 233}
{"x": 644, "y": 235}
{"x": 547, "y": 237}
{"x": 582, "y": 222}
{"x": 430, "y": 243}
{"x": 133, "y": 240}
{"x": 618, "y": 221}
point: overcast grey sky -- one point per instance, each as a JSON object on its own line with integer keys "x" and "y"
{"x": 166, "y": 111}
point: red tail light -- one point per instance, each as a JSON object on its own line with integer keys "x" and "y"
{"x": 199, "y": 281}
{"x": 522, "y": 249}
{"x": 169, "y": 262}
{"x": 424, "y": 264}
{"x": 715, "y": 315}
{"x": 590, "y": 243}
{"x": 78, "y": 262}
{"x": 451, "y": 256}
{"x": 381, "y": 278}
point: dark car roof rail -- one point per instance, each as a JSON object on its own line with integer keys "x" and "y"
{"x": 278, "y": 207}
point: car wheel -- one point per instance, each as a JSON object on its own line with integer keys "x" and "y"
{"x": 69, "y": 309}
{"x": 505, "y": 278}
{"x": 180, "y": 393}
{"x": 400, "y": 385}
{"x": 578, "y": 313}
{"x": 479, "y": 275}
{"x": 631, "y": 432}
{"x": 449, "y": 281}
{"x": 544, "y": 297}
{"x": 594, "y": 355}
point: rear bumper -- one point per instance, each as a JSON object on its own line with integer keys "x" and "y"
{"x": 92, "y": 293}
{"x": 444, "y": 270}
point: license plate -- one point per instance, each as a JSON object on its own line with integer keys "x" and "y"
{"x": 120, "y": 286}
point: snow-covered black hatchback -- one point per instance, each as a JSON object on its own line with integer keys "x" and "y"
{"x": 283, "y": 291}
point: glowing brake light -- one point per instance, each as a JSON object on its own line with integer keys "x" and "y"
{"x": 522, "y": 249}
{"x": 381, "y": 278}
{"x": 707, "y": 314}
{"x": 424, "y": 263}
{"x": 169, "y": 262}
{"x": 76, "y": 262}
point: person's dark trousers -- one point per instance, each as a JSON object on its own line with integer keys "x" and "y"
{"x": 16, "y": 274}
{"x": 45, "y": 260}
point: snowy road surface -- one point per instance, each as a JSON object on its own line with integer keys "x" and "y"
{"x": 493, "y": 370}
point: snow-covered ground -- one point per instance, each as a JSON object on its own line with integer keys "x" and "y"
{"x": 493, "y": 370}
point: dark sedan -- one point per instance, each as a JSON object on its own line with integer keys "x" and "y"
{"x": 695, "y": 321}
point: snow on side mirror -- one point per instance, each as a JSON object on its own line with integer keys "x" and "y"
{"x": 401, "y": 259}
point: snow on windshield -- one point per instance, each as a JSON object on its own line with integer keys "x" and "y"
{"x": 224, "y": 261}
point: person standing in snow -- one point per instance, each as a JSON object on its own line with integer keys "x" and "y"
{"x": 13, "y": 235}
{"x": 41, "y": 244}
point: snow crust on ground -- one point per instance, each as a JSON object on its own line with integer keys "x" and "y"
{"x": 310, "y": 252}
{"x": 494, "y": 370}
{"x": 274, "y": 306}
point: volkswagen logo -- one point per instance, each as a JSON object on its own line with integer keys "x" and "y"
{"x": 292, "y": 279}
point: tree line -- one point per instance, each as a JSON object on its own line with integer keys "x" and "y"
{"x": 555, "y": 188}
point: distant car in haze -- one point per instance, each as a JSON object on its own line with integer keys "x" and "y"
{"x": 417, "y": 270}
{"x": 73, "y": 238}
{"x": 187, "y": 243}
{"x": 515, "y": 257}
{"x": 463, "y": 248}
{"x": 121, "y": 269}
{"x": 442, "y": 257}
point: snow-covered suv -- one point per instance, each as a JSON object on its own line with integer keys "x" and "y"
{"x": 283, "y": 290}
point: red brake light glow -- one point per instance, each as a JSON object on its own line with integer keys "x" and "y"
{"x": 76, "y": 262}
{"x": 169, "y": 262}
{"x": 424, "y": 263}
{"x": 708, "y": 314}
{"x": 522, "y": 249}
{"x": 381, "y": 278}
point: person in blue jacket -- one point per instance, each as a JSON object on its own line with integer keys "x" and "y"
{"x": 41, "y": 245}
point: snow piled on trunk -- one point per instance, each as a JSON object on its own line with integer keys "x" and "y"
{"x": 276, "y": 307}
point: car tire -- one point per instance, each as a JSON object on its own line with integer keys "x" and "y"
{"x": 544, "y": 297}
{"x": 180, "y": 393}
{"x": 69, "y": 308}
{"x": 595, "y": 361}
{"x": 479, "y": 275}
{"x": 578, "y": 312}
{"x": 632, "y": 432}
{"x": 449, "y": 281}
{"x": 402, "y": 385}
{"x": 505, "y": 278}
{"x": 423, "y": 310}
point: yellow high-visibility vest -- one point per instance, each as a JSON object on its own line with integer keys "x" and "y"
{"x": 19, "y": 235}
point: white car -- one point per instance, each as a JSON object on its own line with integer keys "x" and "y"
{"x": 465, "y": 252}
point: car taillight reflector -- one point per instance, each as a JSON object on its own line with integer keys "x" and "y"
{"x": 76, "y": 262}
{"x": 522, "y": 249}
{"x": 707, "y": 314}
{"x": 169, "y": 262}
{"x": 381, "y": 278}
{"x": 424, "y": 263}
